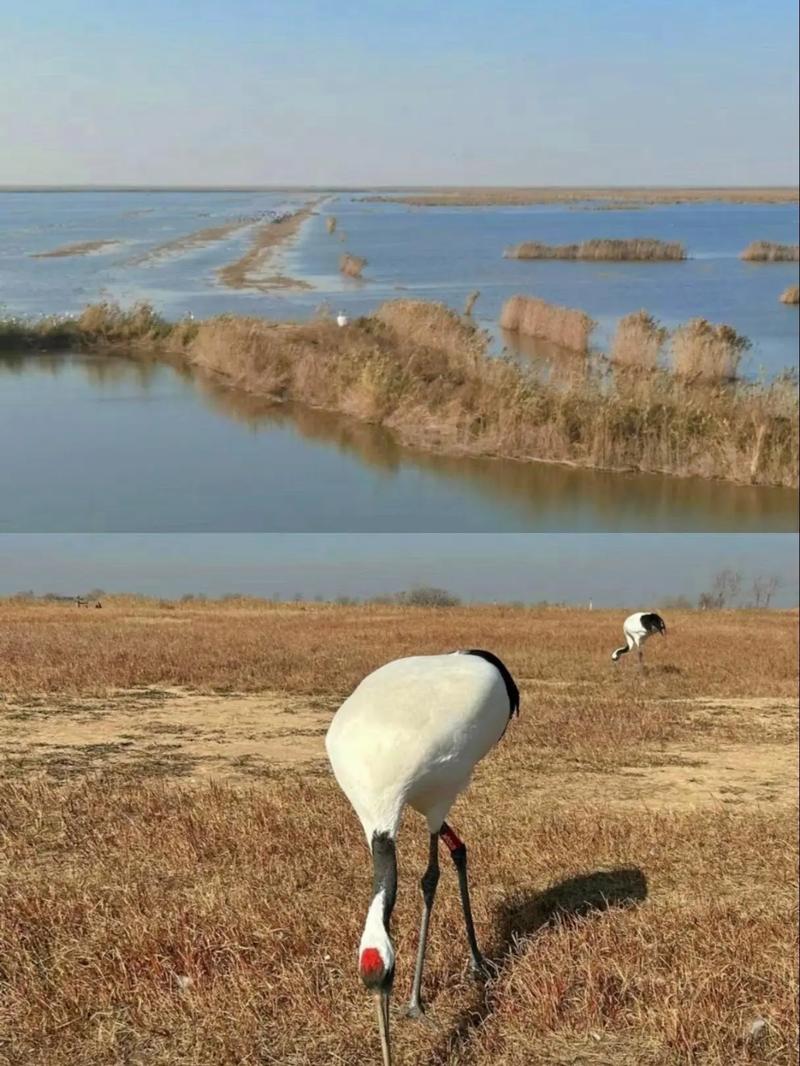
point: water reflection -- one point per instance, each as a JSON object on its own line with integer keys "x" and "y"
{"x": 185, "y": 452}
{"x": 565, "y": 497}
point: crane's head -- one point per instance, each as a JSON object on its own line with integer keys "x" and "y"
{"x": 376, "y": 952}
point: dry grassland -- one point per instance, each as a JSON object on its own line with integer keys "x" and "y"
{"x": 618, "y": 195}
{"x": 182, "y": 883}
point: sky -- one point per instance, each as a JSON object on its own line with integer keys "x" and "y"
{"x": 630, "y": 569}
{"x": 396, "y": 93}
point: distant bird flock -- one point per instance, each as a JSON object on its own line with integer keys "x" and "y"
{"x": 411, "y": 734}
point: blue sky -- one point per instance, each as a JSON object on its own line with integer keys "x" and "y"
{"x": 611, "y": 569}
{"x": 310, "y": 91}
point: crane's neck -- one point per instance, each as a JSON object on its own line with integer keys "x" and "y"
{"x": 376, "y": 953}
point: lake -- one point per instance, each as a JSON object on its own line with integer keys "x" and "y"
{"x": 439, "y": 253}
{"x": 99, "y": 444}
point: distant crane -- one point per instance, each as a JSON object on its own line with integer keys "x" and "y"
{"x": 411, "y": 734}
{"x": 637, "y": 628}
{"x": 342, "y": 319}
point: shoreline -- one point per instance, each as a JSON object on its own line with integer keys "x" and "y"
{"x": 267, "y": 240}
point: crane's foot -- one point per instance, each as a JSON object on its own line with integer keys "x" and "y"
{"x": 416, "y": 1012}
{"x": 481, "y": 970}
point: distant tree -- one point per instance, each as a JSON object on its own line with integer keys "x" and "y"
{"x": 764, "y": 588}
{"x": 725, "y": 588}
{"x": 428, "y": 596}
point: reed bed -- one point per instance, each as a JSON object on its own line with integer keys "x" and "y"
{"x": 790, "y": 295}
{"x": 421, "y": 371}
{"x": 330, "y": 224}
{"x": 770, "y": 252}
{"x": 640, "y": 249}
{"x": 638, "y": 342}
{"x": 565, "y": 326}
{"x": 352, "y": 265}
{"x": 703, "y": 351}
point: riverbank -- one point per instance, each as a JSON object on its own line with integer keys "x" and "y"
{"x": 424, "y": 373}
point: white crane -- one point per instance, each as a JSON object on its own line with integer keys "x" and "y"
{"x": 637, "y": 628}
{"x": 411, "y": 734}
{"x": 342, "y": 319}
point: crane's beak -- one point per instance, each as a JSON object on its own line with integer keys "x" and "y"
{"x": 382, "y": 1008}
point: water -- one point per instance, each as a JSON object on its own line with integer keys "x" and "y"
{"x": 429, "y": 253}
{"x": 97, "y": 444}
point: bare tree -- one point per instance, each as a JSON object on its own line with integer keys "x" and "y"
{"x": 725, "y": 588}
{"x": 764, "y": 588}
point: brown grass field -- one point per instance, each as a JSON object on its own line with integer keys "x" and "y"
{"x": 641, "y": 249}
{"x": 183, "y": 883}
{"x": 618, "y": 195}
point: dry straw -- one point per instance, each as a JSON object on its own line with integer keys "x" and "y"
{"x": 641, "y": 249}
{"x": 565, "y": 326}
{"x": 769, "y": 252}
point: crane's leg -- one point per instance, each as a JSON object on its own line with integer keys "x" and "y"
{"x": 458, "y": 852}
{"x": 430, "y": 880}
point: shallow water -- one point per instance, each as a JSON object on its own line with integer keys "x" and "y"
{"x": 430, "y": 253}
{"x": 108, "y": 445}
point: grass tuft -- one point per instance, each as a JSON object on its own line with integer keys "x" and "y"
{"x": 351, "y": 265}
{"x": 770, "y": 252}
{"x": 791, "y": 295}
{"x": 536, "y": 318}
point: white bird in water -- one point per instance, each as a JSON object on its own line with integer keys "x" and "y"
{"x": 637, "y": 628}
{"x": 342, "y": 319}
{"x": 411, "y": 734}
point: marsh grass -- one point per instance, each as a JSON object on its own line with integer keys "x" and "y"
{"x": 770, "y": 252}
{"x": 565, "y": 326}
{"x": 470, "y": 301}
{"x": 640, "y": 249}
{"x": 703, "y": 351}
{"x": 351, "y": 266}
{"x": 638, "y": 342}
{"x": 330, "y": 224}
{"x": 420, "y": 370}
{"x": 790, "y": 295}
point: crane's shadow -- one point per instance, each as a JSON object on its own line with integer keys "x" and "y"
{"x": 526, "y": 913}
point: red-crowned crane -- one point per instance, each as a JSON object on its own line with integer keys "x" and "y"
{"x": 411, "y": 734}
{"x": 637, "y": 628}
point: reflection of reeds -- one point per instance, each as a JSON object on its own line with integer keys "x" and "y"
{"x": 330, "y": 223}
{"x": 704, "y": 351}
{"x": 790, "y": 295}
{"x": 425, "y": 373}
{"x": 351, "y": 265}
{"x": 470, "y": 301}
{"x": 537, "y": 318}
{"x": 770, "y": 252}
{"x": 638, "y": 341}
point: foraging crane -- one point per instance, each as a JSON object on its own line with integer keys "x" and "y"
{"x": 411, "y": 734}
{"x": 342, "y": 319}
{"x": 637, "y": 628}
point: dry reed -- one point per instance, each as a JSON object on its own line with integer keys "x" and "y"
{"x": 770, "y": 252}
{"x": 644, "y": 249}
{"x": 330, "y": 224}
{"x": 565, "y": 326}
{"x": 790, "y": 295}
{"x": 351, "y": 265}
{"x": 425, "y": 373}
{"x": 703, "y": 351}
{"x": 470, "y": 301}
{"x": 481, "y": 196}
{"x": 638, "y": 341}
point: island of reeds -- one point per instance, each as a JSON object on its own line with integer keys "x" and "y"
{"x": 351, "y": 265}
{"x": 770, "y": 252}
{"x": 639, "y": 249}
{"x": 426, "y": 373}
{"x": 790, "y": 295}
